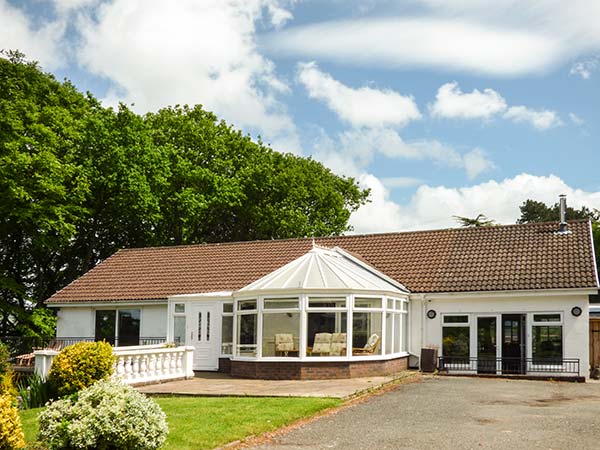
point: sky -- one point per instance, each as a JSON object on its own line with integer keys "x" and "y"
{"x": 441, "y": 108}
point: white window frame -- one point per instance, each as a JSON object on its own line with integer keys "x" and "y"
{"x": 227, "y": 314}
{"x": 531, "y": 325}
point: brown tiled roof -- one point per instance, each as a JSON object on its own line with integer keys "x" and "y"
{"x": 507, "y": 257}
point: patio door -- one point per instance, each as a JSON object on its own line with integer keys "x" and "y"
{"x": 204, "y": 332}
{"x": 513, "y": 344}
{"x": 486, "y": 345}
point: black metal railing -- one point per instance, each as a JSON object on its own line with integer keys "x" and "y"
{"x": 511, "y": 366}
{"x": 22, "y": 345}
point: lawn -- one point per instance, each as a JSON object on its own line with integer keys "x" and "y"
{"x": 207, "y": 422}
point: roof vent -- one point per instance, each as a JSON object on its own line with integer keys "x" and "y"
{"x": 562, "y": 226}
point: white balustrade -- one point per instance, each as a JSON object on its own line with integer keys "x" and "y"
{"x": 138, "y": 364}
{"x": 152, "y": 363}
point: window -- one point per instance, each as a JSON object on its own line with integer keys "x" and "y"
{"x": 246, "y": 335}
{"x": 456, "y": 319}
{"x": 546, "y": 340}
{"x": 325, "y": 302}
{"x": 246, "y": 305}
{"x": 106, "y": 321}
{"x": 280, "y": 334}
{"x": 405, "y": 333}
{"x": 456, "y": 338}
{"x": 179, "y": 308}
{"x": 389, "y": 333}
{"x": 118, "y": 327}
{"x": 227, "y": 329}
{"x": 366, "y": 333}
{"x": 326, "y": 334}
{"x": 179, "y": 330}
{"x": 370, "y": 303}
{"x": 281, "y": 303}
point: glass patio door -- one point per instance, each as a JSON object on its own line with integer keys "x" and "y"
{"x": 513, "y": 343}
{"x": 486, "y": 345}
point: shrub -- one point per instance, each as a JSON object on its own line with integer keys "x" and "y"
{"x": 7, "y": 384}
{"x": 81, "y": 365}
{"x": 4, "y": 357}
{"x": 34, "y": 391}
{"x": 105, "y": 416}
{"x": 11, "y": 433}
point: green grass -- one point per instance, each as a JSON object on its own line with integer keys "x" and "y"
{"x": 207, "y": 422}
{"x": 30, "y": 423}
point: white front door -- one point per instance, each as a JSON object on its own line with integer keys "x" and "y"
{"x": 204, "y": 330}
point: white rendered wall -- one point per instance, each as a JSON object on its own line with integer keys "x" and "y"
{"x": 153, "y": 321}
{"x": 75, "y": 322}
{"x": 575, "y": 329}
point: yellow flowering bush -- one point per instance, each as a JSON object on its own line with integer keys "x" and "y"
{"x": 11, "y": 433}
{"x": 81, "y": 365}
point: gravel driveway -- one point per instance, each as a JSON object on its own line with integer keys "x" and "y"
{"x": 461, "y": 413}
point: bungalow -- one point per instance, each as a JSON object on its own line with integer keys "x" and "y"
{"x": 511, "y": 299}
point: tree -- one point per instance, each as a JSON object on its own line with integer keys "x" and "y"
{"x": 479, "y": 221}
{"x": 79, "y": 181}
{"x": 535, "y": 211}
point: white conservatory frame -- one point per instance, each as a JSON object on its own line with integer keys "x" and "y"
{"x": 402, "y": 310}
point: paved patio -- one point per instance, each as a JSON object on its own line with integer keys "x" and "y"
{"x": 210, "y": 384}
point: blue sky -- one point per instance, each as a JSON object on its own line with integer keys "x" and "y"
{"x": 441, "y": 108}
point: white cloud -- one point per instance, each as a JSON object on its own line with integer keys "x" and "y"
{"x": 161, "y": 53}
{"x": 352, "y": 151}
{"x": 362, "y": 107}
{"x": 540, "y": 119}
{"x": 466, "y": 35}
{"x": 433, "y": 206}
{"x": 576, "y": 119}
{"x": 585, "y": 68}
{"x": 436, "y": 42}
{"x": 40, "y": 44}
{"x": 451, "y": 102}
{"x": 476, "y": 163}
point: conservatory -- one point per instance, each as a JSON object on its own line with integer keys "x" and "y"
{"x": 325, "y": 314}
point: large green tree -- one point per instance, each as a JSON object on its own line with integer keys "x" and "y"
{"x": 79, "y": 181}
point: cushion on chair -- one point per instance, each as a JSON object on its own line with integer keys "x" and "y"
{"x": 372, "y": 342}
{"x": 338, "y": 344}
{"x": 284, "y": 342}
{"x": 322, "y": 343}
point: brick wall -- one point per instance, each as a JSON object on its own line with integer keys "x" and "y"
{"x": 315, "y": 370}
{"x": 225, "y": 365}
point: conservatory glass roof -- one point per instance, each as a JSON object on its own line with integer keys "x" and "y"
{"x": 323, "y": 268}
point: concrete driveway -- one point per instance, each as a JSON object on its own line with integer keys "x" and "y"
{"x": 460, "y": 413}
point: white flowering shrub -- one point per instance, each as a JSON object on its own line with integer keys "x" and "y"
{"x": 105, "y": 416}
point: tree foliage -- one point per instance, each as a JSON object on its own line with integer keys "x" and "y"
{"x": 79, "y": 181}
{"x": 480, "y": 221}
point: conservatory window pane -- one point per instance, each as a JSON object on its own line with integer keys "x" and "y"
{"x": 281, "y": 334}
{"x": 326, "y": 334}
{"x": 226, "y": 335}
{"x": 398, "y": 332}
{"x": 179, "y": 307}
{"x": 227, "y": 307}
{"x": 456, "y": 319}
{"x": 281, "y": 303}
{"x": 364, "y": 302}
{"x": 366, "y": 333}
{"x": 389, "y": 333}
{"x": 246, "y": 335}
{"x": 546, "y": 317}
{"x": 390, "y": 303}
{"x": 105, "y": 325}
{"x": 327, "y": 302}
{"x": 245, "y": 305}
{"x": 179, "y": 330}
{"x": 405, "y": 332}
